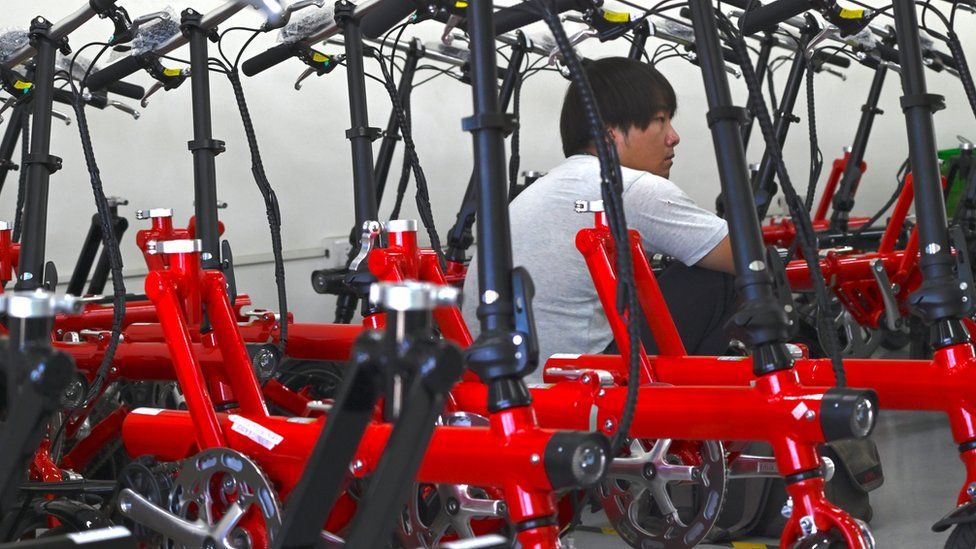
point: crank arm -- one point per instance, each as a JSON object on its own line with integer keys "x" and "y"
{"x": 147, "y": 513}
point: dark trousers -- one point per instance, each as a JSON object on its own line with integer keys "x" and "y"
{"x": 700, "y": 301}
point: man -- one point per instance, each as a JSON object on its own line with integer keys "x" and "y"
{"x": 637, "y": 104}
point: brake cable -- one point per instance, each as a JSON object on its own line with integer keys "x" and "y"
{"x": 801, "y": 217}
{"x": 271, "y": 207}
{"x": 410, "y": 152}
{"x": 611, "y": 189}
{"x": 109, "y": 241}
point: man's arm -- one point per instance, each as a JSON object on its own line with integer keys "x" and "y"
{"x": 720, "y": 258}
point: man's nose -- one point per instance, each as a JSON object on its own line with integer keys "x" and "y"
{"x": 673, "y": 138}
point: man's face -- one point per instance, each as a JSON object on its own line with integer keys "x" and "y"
{"x": 650, "y": 149}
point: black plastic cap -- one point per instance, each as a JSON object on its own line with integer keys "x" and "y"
{"x": 848, "y": 413}
{"x": 576, "y": 459}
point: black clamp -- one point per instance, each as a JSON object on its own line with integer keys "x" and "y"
{"x": 343, "y": 12}
{"x": 364, "y": 131}
{"x": 7, "y": 164}
{"x": 870, "y": 109}
{"x": 933, "y": 101}
{"x": 803, "y": 475}
{"x": 489, "y": 121}
{"x": 40, "y": 30}
{"x": 214, "y": 145}
{"x": 790, "y": 117}
{"x": 717, "y": 114}
{"x": 51, "y": 162}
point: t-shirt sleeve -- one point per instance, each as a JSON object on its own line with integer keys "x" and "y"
{"x": 670, "y": 222}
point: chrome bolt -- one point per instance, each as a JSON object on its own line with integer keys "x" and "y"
{"x": 810, "y": 415}
{"x": 807, "y": 525}
{"x": 602, "y": 392}
{"x": 971, "y": 489}
{"x": 963, "y": 285}
{"x": 26, "y": 276}
{"x": 609, "y": 425}
{"x": 586, "y": 378}
{"x": 206, "y": 256}
{"x": 534, "y": 459}
{"x": 357, "y": 466}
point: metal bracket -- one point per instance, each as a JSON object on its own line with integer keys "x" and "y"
{"x": 153, "y": 213}
{"x": 167, "y": 247}
{"x": 588, "y": 206}
{"x": 892, "y": 314}
{"x": 605, "y": 377}
{"x": 367, "y": 240}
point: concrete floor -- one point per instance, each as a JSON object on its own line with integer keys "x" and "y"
{"x": 922, "y": 477}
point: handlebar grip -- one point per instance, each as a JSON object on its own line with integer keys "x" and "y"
{"x": 766, "y": 17}
{"x": 946, "y": 59}
{"x": 113, "y": 73}
{"x": 740, "y": 4}
{"x": 822, "y": 57}
{"x": 383, "y": 17}
{"x": 268, "y": 58}
{"x": 888, "y": 53}
{"x": 125, "y": 89}
{"x": 729, "y": 55}
{"x": 98, "y": 100}
{"x": 526, "y": 13}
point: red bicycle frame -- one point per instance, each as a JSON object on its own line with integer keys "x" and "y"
{"x": 507, "y": 453}
{"x": 944, "y": 383}
{"x": 778, "y": 409}
{"x": 782, "y": 232}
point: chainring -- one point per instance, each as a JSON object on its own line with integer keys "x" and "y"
{"x": 667, "y": 497}
{"x": 224, "y": 489}
{"x": 441, "y": 512}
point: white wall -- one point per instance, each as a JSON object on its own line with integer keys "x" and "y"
{"x": 308, "y": 162}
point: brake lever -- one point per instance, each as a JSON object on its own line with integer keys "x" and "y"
{"x": 149, "y": 93}
{"x": 286, "y": 16}
{"x": 449, "y": 35}
{"x": 305, "y": 74}
{"x": 836, "y": 73}
{"x": 62, "y": 117}
{"x": 9, "y": 102}
{"x": 829, "y": 32}
{"x": 148, "y": 18}
{"x": 128, "y": 109}
{"x": 574, "y": 40}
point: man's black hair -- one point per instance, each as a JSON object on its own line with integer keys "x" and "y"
{"x": 629, "y": 93}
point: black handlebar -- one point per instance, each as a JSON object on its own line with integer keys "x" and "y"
{"x": 383, "y": 17}
{"x": 111, "y": 74}
{"x": 269, "y": 58}
{"x": 945, "y": 59}
{"x": 822, "y": 57}
{"x": 125, "y": 89}
{"x": 522, "y": 14}
{"x": 767, "y": 17}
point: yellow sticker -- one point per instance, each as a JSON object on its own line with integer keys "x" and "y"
{"x": 21, "y": 85}
{"x": 172, "y": 72}
{"x": 320, "y": 57}
{"x": 847, "y": 13}
{"x": 616, "y": 16}
{"x": 749, "y": 545}
{"x": 460, "y": 4}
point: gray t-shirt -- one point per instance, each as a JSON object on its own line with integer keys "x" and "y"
{"x": 568, "y": 314}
